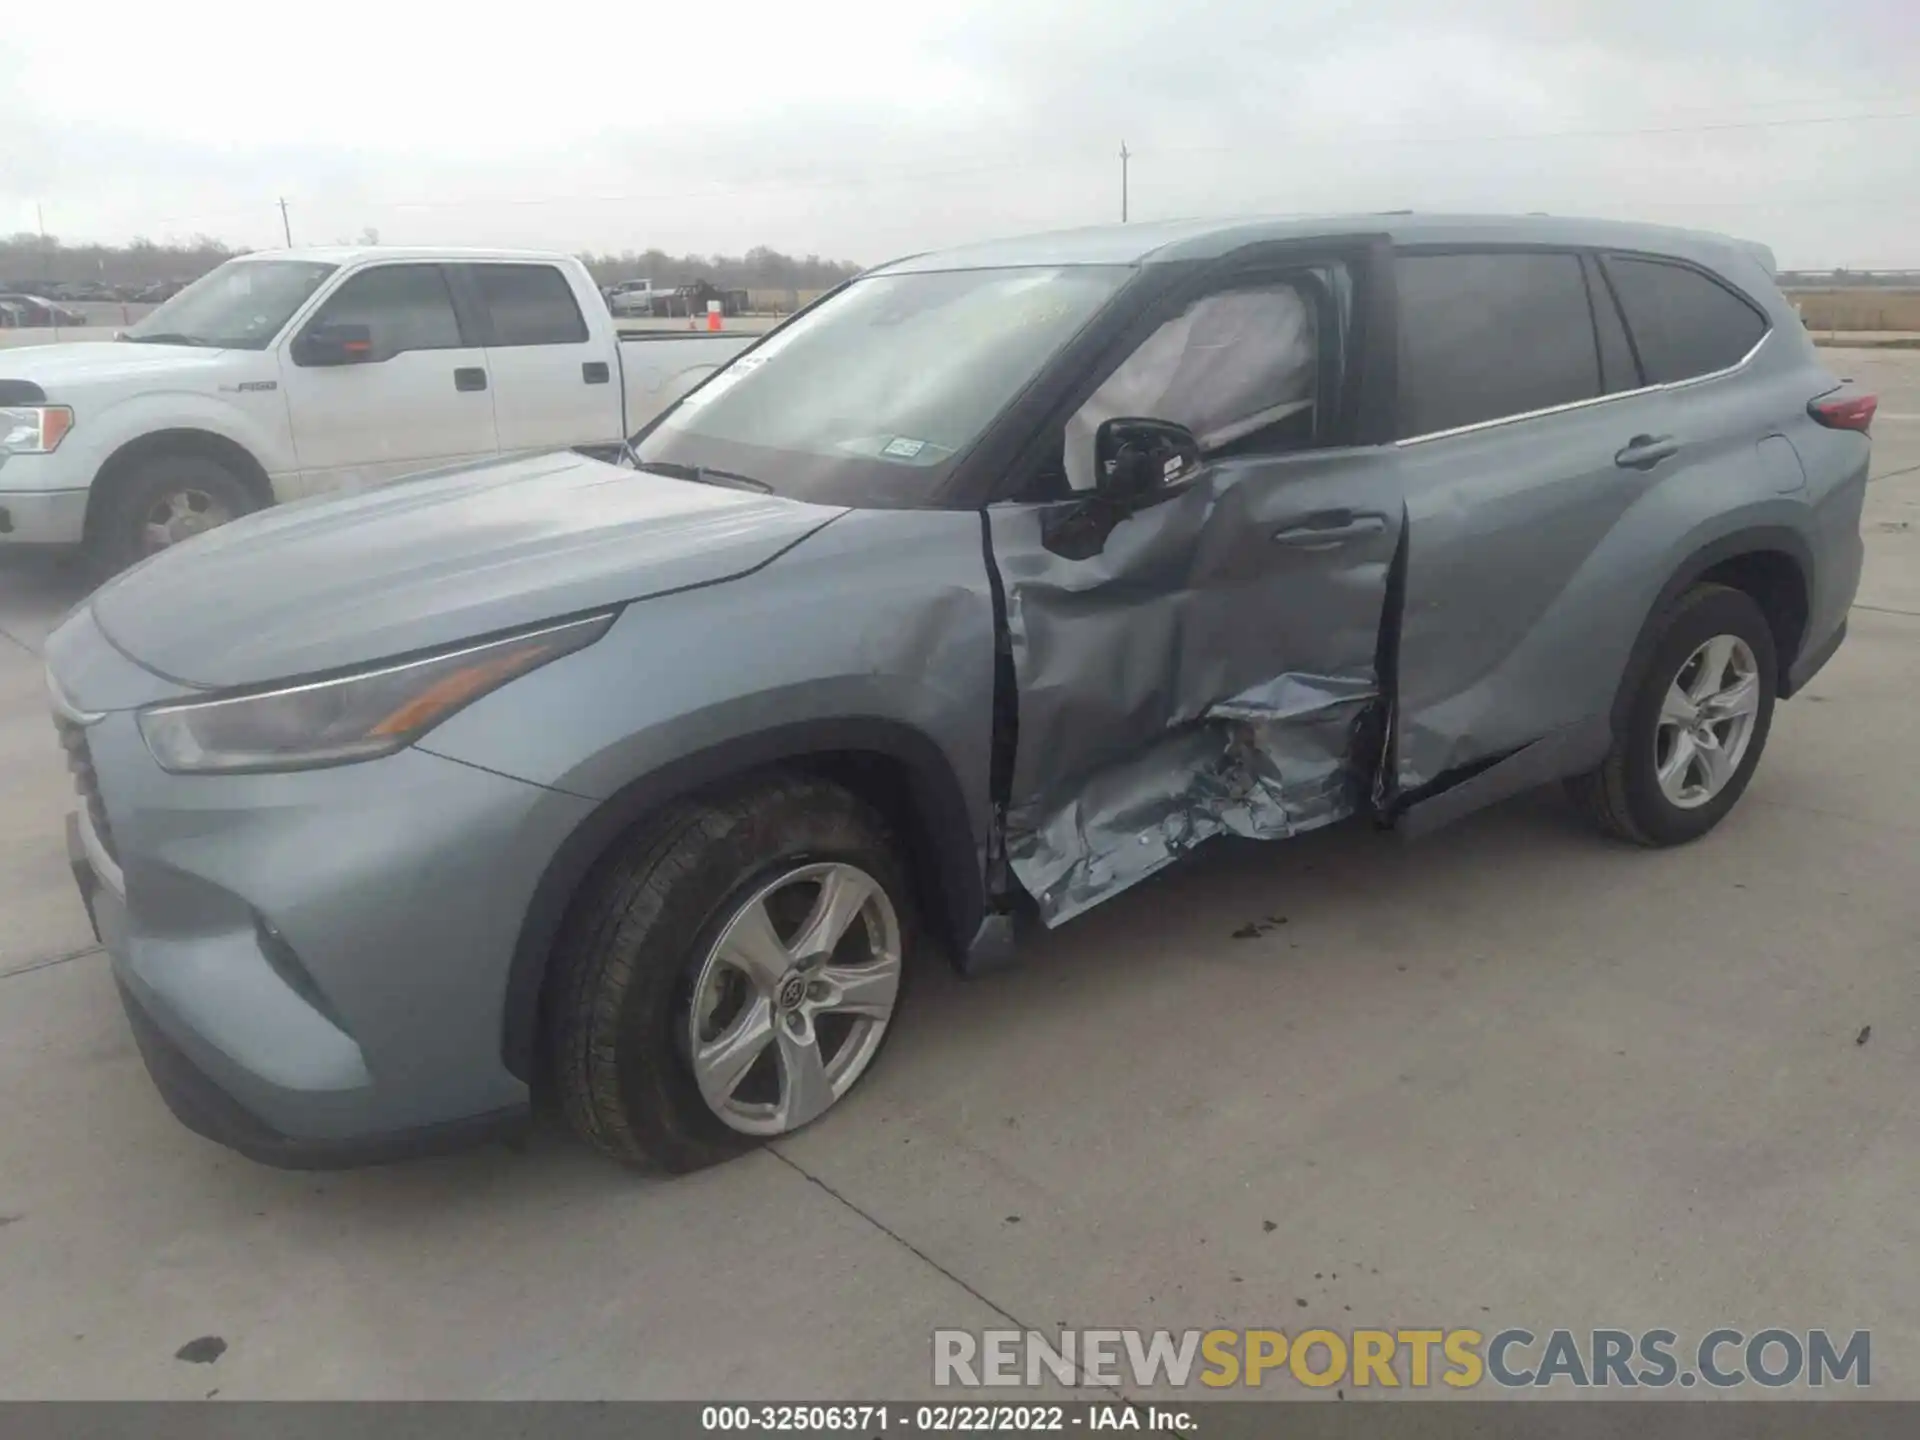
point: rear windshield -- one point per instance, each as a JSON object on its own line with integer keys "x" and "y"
{"x": 873, "y": 397}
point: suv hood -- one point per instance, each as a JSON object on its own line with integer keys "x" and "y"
{"x": 433, "y": 560}
{"x": 56, "y": 368}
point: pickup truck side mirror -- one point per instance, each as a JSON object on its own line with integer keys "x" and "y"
{"x": 328, "y": 343}
{"x": 1134, "y": 458}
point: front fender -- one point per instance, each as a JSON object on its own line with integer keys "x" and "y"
{"x": 259, "y": 428}
{"x": 874, "y": 635}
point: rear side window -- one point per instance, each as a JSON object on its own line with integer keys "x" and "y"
{"x": 1484, "y": 336}
{"x": 529, "y": 305}
{"x": 1684, "y": 324}
{"x": 405, "y": 307}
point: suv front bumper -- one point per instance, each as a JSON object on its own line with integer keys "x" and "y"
{"x": 197, "y": 1099}
{"x": 314, "y": 963}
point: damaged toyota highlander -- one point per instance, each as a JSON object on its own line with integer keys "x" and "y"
{"x": 986, "y": 587}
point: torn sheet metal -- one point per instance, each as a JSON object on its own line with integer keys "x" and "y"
{"x": 1199, "y": 675}
{"x": 1267, "y": 765}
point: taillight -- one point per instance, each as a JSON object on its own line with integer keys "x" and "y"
{"x": 1844, "y": 409}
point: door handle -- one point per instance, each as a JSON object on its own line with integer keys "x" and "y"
{"x": 469, "y": 377}
{"x": 1643, "y": 452}
{"x": 595, "y": 372}
{"x": 1331, "y": 527}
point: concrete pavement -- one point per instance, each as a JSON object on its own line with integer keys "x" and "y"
{"x": 1512, "y": 1075}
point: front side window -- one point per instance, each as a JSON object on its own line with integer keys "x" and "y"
{"x": 1684, "y": 324}
{"x": 1488, "y": 335}
{"x": 405, "y": 307}
{"x": 1239, "y": 367}
{"x": 240, "y": 306}
{"x": 529, "y": 305}
{"x": 872, "y": 397}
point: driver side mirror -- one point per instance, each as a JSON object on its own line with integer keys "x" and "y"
{"x": 328, "y": 343}
{"x": 1135, "y": 458}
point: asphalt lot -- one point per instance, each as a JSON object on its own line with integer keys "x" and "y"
{"x": 1514, "y": 1075}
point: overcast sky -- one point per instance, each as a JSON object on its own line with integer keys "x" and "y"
{"x": 862, "y": 130}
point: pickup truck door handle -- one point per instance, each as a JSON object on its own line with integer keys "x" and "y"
{"x": 469, "y": 377}
{"x": 1326, "y": 528}
{"x": 1643, "y": 452}
{"x": 595, "y": 372}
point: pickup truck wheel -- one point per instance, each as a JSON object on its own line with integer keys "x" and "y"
{"x": 162, "y": 501}
{"x": 1698, "y": 723}
{"x": 729, "y": 974}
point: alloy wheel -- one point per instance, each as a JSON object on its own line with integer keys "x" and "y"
{"x": 178, "y": 515}
{"x": 1706, "y": 721}
{"x": 791, "y": 1002}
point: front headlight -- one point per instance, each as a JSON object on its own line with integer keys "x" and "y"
{"x": 34, "y": 429}
{"x": 354, "y": 717}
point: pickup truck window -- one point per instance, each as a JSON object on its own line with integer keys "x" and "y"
{"x": 240, "y": 306}
{"x": 873, "y": 396}
{"x": 529, "y": 305}
{"x": 407, "y": 307}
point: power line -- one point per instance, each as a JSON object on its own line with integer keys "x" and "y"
{"x": 1002, "y": 167}
{"x": 1031, "y": 164}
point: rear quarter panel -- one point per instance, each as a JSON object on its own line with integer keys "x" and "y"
{"x": 1589, "y": 576}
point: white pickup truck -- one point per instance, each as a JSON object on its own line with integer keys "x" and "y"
{"x": 294, "y": 372}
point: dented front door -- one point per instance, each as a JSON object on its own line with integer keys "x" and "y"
{"x": 1212, "y": 669}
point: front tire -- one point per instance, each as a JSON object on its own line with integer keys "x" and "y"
{"x": 1697, "y": 723}
{"x": 729, "y": 973}
{"x": 160, "y": 502}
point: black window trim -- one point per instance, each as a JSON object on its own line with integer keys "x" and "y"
{"x": 1597, "y": 254}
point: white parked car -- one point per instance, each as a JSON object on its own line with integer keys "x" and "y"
{"x": 296, "y": 372}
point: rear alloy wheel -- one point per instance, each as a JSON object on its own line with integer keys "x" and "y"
{"x": 729, "y": 973}
{"x": 1697, "y": 724}
{"x": 1706, "y": 722}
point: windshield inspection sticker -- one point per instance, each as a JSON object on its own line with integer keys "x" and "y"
{"x": 903, "y": 448}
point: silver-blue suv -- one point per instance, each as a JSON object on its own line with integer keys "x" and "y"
{"x": 986, "y": 587}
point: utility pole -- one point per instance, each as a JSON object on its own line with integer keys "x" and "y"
{"x": 46, "y": 250}
{"x": 286, "y": 227}
{"x": 1125, "y": 155}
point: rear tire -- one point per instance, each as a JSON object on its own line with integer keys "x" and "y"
{"x": 644, "y": 974}
{"x": 1678, "y": 766}
{"x": 159, "y": 502}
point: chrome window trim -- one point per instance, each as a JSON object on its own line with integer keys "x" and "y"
{"x": 1741, "y": 364}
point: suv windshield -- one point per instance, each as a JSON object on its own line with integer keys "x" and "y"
{"x": 240, "y": 306}
{"x": 872, "y": 397}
